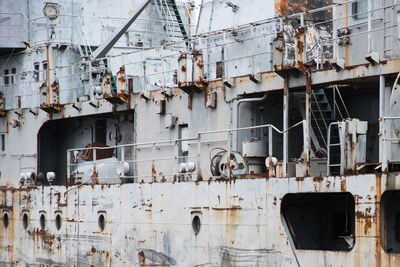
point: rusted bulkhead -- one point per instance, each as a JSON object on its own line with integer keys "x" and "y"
{"x": 134, "y": 223}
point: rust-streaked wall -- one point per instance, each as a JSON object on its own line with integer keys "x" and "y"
{"x": 289, "y": 7}
{"x": 149, "y": 224}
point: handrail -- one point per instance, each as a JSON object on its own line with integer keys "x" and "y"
{"x": 172, "y": 142}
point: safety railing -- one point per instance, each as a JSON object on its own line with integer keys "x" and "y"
{"x": 223, "y": 51}
{"x": 13, "y": 29}
{"x": 389, "y": 135}
{"x": 161, "y": 161}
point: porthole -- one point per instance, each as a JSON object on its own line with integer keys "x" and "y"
{"x": 102, "y": 222}
{"x": 5, "y": 219}
{"x": 42, "y": 222}
{"x": 25, "y": 221}
{"x": 196, "y": 224}
{"x": 58, "y": 221}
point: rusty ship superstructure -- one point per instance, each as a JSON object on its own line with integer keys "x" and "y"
{"x": 209, "y": 133}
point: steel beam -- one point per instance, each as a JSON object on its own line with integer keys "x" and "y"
{"x": 103, "y": 49}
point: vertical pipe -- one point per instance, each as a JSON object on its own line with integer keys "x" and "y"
{"x": 383, "y": 143}
{"x": 285, "y": 126}
{"x": 335, "y": 43}
{"x": 308, "y": 121}
{"x": 95, "y": 177}
{"x": 199, "y": 178}
{"x": 122, "y": 164}
{"x": 270, "y": 151}
{"x": 223, "y": 57}
{"x": 228, "y": 165}
{"x": 252, "y": 50}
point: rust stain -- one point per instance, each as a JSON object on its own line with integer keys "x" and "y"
{"x": 318, "y": 179}
{"x": 231, "y": 208}
{"x": 367, "y": 225}
{"x": 378, "y": 247}
{"x": 343, "y": 185}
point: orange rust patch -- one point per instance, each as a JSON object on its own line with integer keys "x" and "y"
{"x": 343, "y": 185}
{"x": 367, "y": 225}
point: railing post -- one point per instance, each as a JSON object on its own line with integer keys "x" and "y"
{"x": 176, "y": 146}
{"x": 369, "y": 26}
{"x": 285, "y": 126}
{"x": 383, "y": 151}
{"x": 270, "y": 151}
{"x": 308, "y": 121}
{"x": 306, "y": 141}
{"x": 342, "y": 126}
{"x": 95, "y": 175}
{"x": 335, "y": 41}
{"x": 228, "y": 165}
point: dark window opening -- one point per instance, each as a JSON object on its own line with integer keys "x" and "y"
{"x": 390, "y": 221}
{"x": 360, "y": 9}
{"x": 102, "y": 222}
{"x": 320, "y": 221}
{"x": 196, "y": 224}
{"x": 3, "y": 143}
{"x": 340, "y": 225}
{"x": 25, "y": 221}
{"x": 36, "y": 67}
{"x": 44, "y": 70}
{"x": 397, "y": 227}
{"x": 42, "y": 222}
{"x": 58, "y": 221}
{"x": 5, "y": 220}
{"x": 13, "y": 73}
{"x": 101, "y": 131}
{"x": 6, "y": 77}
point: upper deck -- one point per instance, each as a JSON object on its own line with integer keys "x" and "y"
{"x": 336, "y": 62}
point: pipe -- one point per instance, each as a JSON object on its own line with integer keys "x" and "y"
{"x": 383, "y": 144}
{"x": 239, "y": 102}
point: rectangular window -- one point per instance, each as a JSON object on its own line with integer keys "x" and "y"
{"x": 360, "y": 9}
{"x": 36, "y": 67}
{"x": 3, "y": 143}
{"x": 6, "y": 77}
{"x": 44, "y": 70}
{"x": 13, "y": 73}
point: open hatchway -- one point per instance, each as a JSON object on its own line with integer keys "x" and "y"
{"x": 341, "y": 114}
{"x": 320, "y": 221}
{"x": 257, "y": 143}
{"x": 390, "y": 221}
{"x": 57, "y": 136}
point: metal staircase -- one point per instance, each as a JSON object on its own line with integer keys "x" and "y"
{"x": 323, "y": 113}
{"x": 173, "y": 23}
